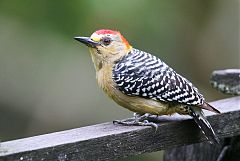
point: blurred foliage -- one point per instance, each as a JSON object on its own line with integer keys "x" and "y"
{"x": 47, "y": 80}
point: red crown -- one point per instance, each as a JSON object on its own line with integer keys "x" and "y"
{"x": 105, "y": 31}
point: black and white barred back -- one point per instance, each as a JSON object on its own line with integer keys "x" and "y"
{"x": 144, "y": 75}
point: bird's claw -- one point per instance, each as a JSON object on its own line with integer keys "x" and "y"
{"x": 138, "y": 120}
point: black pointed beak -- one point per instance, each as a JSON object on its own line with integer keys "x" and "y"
{"x": 87, "y": 41}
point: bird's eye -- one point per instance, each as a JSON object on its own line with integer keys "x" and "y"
{"x": 106, "y": 40}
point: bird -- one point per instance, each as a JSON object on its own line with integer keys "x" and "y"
{"x": 143, "y": 83}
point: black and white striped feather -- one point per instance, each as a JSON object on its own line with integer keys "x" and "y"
{"x": 144, "y": 75}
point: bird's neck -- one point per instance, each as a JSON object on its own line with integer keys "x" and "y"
{"x": 104, "y": 79}
{"x": 98, "y": 64}
{"x": 101, "y": 61}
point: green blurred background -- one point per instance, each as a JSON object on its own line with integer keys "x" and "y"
{"x": 47, "y": 79}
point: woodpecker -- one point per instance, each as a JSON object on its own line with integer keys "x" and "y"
{"x": 143, "y": 83}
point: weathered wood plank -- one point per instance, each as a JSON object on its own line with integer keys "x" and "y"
{"x": 194, "y": 152}
{"x": 107, "y": 141}
{"x": 233, "y": 149}
{"x": 226, "y": 81}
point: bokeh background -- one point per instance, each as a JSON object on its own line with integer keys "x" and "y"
{"x": 47, "y": 79}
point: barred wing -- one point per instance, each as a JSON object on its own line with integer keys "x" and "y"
{"x": 144, "y": 75}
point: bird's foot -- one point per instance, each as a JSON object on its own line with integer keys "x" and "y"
{"x": 137, "y": 120}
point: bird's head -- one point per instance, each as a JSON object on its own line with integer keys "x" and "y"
{"x": 106, "y": 46}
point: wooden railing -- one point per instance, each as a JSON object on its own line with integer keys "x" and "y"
{"x": 178, "y": 135}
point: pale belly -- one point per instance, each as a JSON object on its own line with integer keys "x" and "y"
{"x": 135, "y": 103}
{"x": 142, "y": 105}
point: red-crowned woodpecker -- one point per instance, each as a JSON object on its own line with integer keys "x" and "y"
{"x": 143, "y": 83}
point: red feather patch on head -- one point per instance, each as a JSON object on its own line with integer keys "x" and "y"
{"x": 125, "y": 42}
{"x": 105, "y": 31}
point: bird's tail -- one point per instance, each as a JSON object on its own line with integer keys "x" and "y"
{"x": 208, "y": 107}
{"x": 203, "y": 124}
